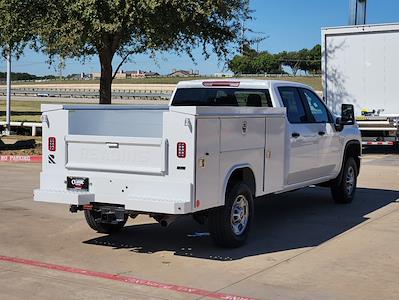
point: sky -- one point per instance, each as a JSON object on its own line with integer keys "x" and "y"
{"x": 288, "y": 24}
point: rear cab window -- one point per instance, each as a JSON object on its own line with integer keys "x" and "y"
{"x": 222, "y": 97}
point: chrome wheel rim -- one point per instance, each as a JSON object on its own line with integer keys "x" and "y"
{"x": 350, "y": 180}
{"x": 239, "y": 214}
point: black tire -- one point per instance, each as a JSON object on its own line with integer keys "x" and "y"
{"x": 226, "y": 230}
{"x": 108, "y": 228}
{"x": 343, "y": 190}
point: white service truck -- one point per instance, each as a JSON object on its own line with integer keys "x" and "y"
{"x": 360, "y": 66}
{"x": 215, "y": 148}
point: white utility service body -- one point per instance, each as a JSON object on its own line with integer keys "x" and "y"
{"x": 179, "y": 159}
{"x": 360, "y": 65}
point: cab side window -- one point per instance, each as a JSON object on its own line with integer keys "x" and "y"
{"x": 292, "y": 101}
{"x": 318, "y": 111}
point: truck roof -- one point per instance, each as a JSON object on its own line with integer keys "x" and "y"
{"x": 237, "y": 83}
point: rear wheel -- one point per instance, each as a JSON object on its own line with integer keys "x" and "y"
{"x": 229, "y": 225}
{"x": 93, "y": 219}
{"x": 343, "y": 191}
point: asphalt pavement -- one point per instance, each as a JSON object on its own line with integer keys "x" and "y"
{"x": 302, "y": 247}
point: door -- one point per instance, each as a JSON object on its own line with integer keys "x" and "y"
{"x": 329, "y": 140}
{"x": 207, "y": 164}
{"x": 303, "y": 149}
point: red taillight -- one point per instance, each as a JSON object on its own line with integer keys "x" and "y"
{"x": 52, "y": 144}
{"x": 221, "y": 83}
{"x": 181, "y": 150}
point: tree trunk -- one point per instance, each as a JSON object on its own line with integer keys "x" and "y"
{"x": 106, "y": 77}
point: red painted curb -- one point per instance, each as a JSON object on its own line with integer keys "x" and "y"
{"x": 21, "y": 158}
{"x": 123, "y": 278}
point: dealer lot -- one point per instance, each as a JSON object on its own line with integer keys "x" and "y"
{"x": 302, "y": 247}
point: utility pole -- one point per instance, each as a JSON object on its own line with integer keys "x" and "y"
{"x": 7, "y": 131}
{"x": 357, "y": 12}
{"x": 242, "y": 37}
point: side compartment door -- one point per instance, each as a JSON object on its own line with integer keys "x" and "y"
{"x": 207, "y": 164}
{"x": 303, "y": 148}
{"x": 274, "y": 154}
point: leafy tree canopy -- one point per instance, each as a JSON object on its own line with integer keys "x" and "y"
{"x": 19, "y": 23}
{"x": 252, "y": 62}
{"x": 80, "y": 28}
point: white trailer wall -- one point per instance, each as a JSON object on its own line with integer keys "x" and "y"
{"x": 361, "y": 66}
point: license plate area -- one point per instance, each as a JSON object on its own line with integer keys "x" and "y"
{"x": 78, "y": 183}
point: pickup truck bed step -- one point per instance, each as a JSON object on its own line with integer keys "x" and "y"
{"x": 62, "y": 196}
{"x": 169, "y": 206}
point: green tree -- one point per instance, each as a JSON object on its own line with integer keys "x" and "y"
{"x": 305, "y": 59}
{"x": 18, "y": 24}
{"x": 81, "y": 28}
{"x": 241, "y": 64}
{"x": 291, "y": 59}
{"x": 266, "y": 62}
{"x": 252, "y": 62}
{"x": 17, "y": 29}
{"x": 314, "y": 62}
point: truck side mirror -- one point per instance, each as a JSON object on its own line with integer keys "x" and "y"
{"x": 347, "y": 117}
{"x": 347, "y": 114}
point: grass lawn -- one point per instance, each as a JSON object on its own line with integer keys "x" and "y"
{"x": 314, "y": 82}
{"x": 23, "y": 111}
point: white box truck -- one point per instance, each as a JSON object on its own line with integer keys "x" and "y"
{"x": 216, "y": 147}
{"x": 360, "y": 66}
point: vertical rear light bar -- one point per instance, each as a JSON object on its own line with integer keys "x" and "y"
{"x": 181, "y": 149}
{"x": 52, "y": 143}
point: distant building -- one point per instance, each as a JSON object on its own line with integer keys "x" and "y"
{"x": 129, "y": 74}
{"x": 141, "y": 74}
{"x": 119, "y": 75}
{"x": 184, "y": 73}
{"x": 223, "y": 74}
{"x": 85, "y": 76}
{"x": 81, "y": 76}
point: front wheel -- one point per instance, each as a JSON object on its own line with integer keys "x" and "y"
{"x": 344, "y": 191}
{"x": 229, "y": 225}
{"x": 93, "y": 217}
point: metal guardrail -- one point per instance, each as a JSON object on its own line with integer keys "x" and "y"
{"x": 88, "y": 93}
{"x": 2, "y": 81}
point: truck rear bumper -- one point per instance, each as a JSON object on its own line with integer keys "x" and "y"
{"x": 133, "y": 203}
{"x": 64, "y": 197}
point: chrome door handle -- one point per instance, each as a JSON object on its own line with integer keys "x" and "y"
{"x": 295, "y": 135}
{"x": 113, "y": 145}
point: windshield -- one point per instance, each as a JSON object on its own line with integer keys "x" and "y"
{"x": 222, "y": 97}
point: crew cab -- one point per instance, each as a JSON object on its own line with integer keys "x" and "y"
{"x": 217, "y": 146}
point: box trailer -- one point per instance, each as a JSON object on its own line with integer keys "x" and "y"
{"x": 360, "y": 65}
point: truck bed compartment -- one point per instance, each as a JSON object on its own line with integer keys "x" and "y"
{"x": 116, "y": 154}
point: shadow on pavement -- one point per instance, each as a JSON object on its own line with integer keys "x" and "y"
{"x": 23, "y": 144}
{"x": 305, "y": 218}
